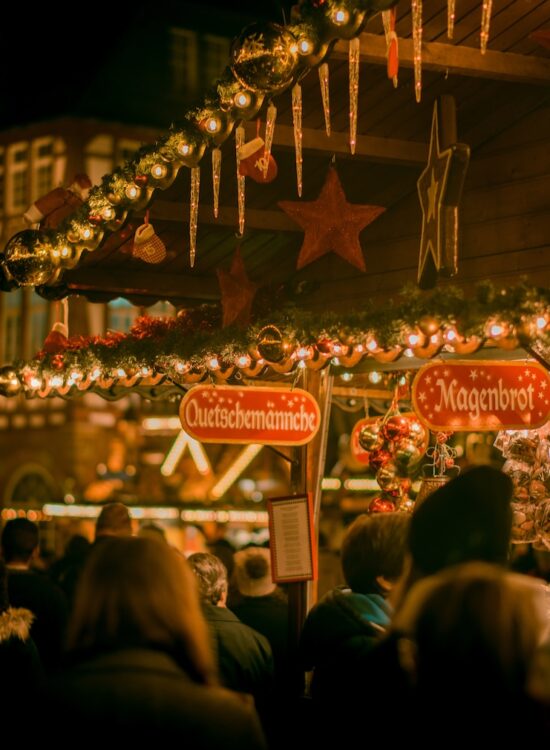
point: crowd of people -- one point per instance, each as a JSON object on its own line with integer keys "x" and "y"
{"x": 432, "y": 638}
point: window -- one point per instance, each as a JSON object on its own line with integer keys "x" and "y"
{"x": 125, "y": 150}
{"x": 42, "y": 166}
{"x": 18, "y": 178}
{"x": 214, "y": 58}
{"x": 121, "y": 315}
{"x": 11, "y": 328}
{"x": 161, "y": 310}
{"x": 184, "y": 61}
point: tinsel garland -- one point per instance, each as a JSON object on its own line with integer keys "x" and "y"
{"x": 194, "y": 341}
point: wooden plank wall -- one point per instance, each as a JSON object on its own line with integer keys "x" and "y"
{"x": 505, "y": 215}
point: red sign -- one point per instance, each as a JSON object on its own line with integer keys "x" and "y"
{"x": 272, "y": 416}
{"x": 357, "y": 451}
{"x": 482, "y": 395}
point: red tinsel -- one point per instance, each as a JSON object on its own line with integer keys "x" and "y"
{"x": 146, "y": 327}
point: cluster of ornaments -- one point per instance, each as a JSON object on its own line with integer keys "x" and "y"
{"x": 527, "y": 454}
{"x": 395, "y": 445}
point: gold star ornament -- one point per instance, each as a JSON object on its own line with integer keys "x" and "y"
{"x": 331, "y": 223}
{"x": 439, "y": 190}
{"x": 238, "y": 292}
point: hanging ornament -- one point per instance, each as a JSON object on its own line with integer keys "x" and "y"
{"x": 331, "y": 223}
{"x": 392, "y": 45}
{"x": 440, "y": 469}
{"x": 10, "y": 385}
{"x": 297, "y": 122}
{"x": 50, "y": 210}
{"x": 370, "y": 437}
{"x": 239, "y": 143}
{"x": 269, "y": 131}
{"x": 417, "y": 47}
{"x": 57, "y": 339}
{"x": 28, "y": 258}
{"x": 486, "y": 10}
{"x": 451, "y": 8}
{"x": 148, "y": 246}
{"x": 238, "y": 292}
{"x": 325, "y": 94}
{"x": 271, "y": 345}
{"x": 264, "y": 58}
{"x": 353, "y": 91}
{"x": 194, "y": 213}
{"x": 388, "y": 477}
{"x": 254, "y": 163}
{"x": 381, "y": 504}
{"x": 216, "y": 174}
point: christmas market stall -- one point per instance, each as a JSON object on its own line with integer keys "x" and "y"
{"x": 352, "y": 202}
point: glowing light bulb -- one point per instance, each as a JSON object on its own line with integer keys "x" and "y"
{"x": 337, "y": 349}
{"x": 335, "y": 361}
{"x": 496, "y": 329}
{"x": 541, "y": 323}
{"x": 35, "y": 382}
{"x": 434, "y": 339}
{"x": 145, "y": 371}
{"x": 340, "y": 16}
{"x": 132, "y": 192}
{"x": 403, "y": 381}
{"x": 304, "y": 46}
{"x": 56, "y": 252}
{"x": 65, "y": 252}
{"x": 413, "y": 339}
{"x": 159, "y": 171}
{"x": 213, "y": 363}
{"x": 359, "y": 348}
{"x": 375, "y": 377}
{"x": 86, "y": 233}
{"x": 96, "y": 372}
{"x": 302, "y": 352}
{"x": 301, "y": 364}
{"x": 184, "y": 148}
{"x": 243, "y": 360}
{"x": 346, "y": 376}
{"x": 372, "y": 345}
{"x": 451, "y": 335}
{"x": 181, "y": 367}
{"x": 56, "y": 381}
{"x": 108, "y": 213}
{"x": 243, "y": 99}
{"x": 121, "y": 373}
{"x": 408, "y": 353}
{"x": 75, "y": 375}
{"x": 213, "y": 124}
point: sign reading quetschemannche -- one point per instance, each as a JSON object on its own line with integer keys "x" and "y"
{"x": 229, "y": 414}
{"x": 482, "y": 395}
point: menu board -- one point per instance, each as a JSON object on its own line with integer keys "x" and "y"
{"x": 293, "y": 554}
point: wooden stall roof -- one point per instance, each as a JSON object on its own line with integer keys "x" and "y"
{"x": 503, "y": 106}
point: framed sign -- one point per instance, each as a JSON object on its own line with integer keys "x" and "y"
{"x": 292, "y": 542}
{"x": 230, "y": 414}
{"x": 482, "y": 395}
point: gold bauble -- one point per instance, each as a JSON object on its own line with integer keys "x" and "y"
{"x": 271, "y": 345}
{"x": 264, "y": 58}
{"x": 28, "y": 258}
{"x": 10, "y": 385}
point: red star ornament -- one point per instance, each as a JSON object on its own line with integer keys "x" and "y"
{"x": 238, "y": 292}
{"x": 331, "y": 223}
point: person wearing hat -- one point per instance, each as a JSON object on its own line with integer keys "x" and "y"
{"x": 262, "y": 606}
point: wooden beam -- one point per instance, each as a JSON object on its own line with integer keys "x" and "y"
{"x": 457, "y": 59}
{"x": 133, "y": 284}
{"x": 384, "y": 150}
{"x": 275, "y": 221}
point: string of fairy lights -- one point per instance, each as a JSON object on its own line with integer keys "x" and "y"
{"x": 266, "y": 59}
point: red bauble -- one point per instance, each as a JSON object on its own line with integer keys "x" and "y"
{"x": 141, "y": 180}
{"x": 378, "y": 458}
{"x": 396, "y": 428}
{"x": 381, "y": 505}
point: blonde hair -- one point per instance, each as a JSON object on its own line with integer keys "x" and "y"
{"x": 140, "y": 592}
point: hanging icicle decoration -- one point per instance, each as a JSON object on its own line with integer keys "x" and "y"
{"x": 451, "y": 7}
{"x": 325, "y": 94}
{"x": 269, "y": 130}
{"x": 194, "y": 213}
{"x": 353, "y": 91}
{"x": 216, "y": 174}
{"x": 297, "y": 120}
{"x": 417, "y": 47}
{"x": 392, "y": 49}
{"x": 239, "y": 143}
{"x": 486, "y": 11}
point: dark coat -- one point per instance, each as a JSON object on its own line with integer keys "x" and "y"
{"x": 268, "y": 615}
{"x": 143, "y": 695}
{"x": 48, "y": 604}
{"x": 340, "y": 630}
{"x": 244, "y": 656}
{"x": 20, "y": 666}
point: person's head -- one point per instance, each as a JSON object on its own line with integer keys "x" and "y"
{"x": 373, "y": 551}
{"x": 77, "y": 547}
{"x": 469, "y": 518}
{"x": 211, "y": 577}
{"x": 253, "y": 572}
{"x": 19, "y": 540}
{"x": 474, "y": 626}
{"x": 140, "y": 593}
{"x": 114, "y": 520}
{"x": 152, "y": 531}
